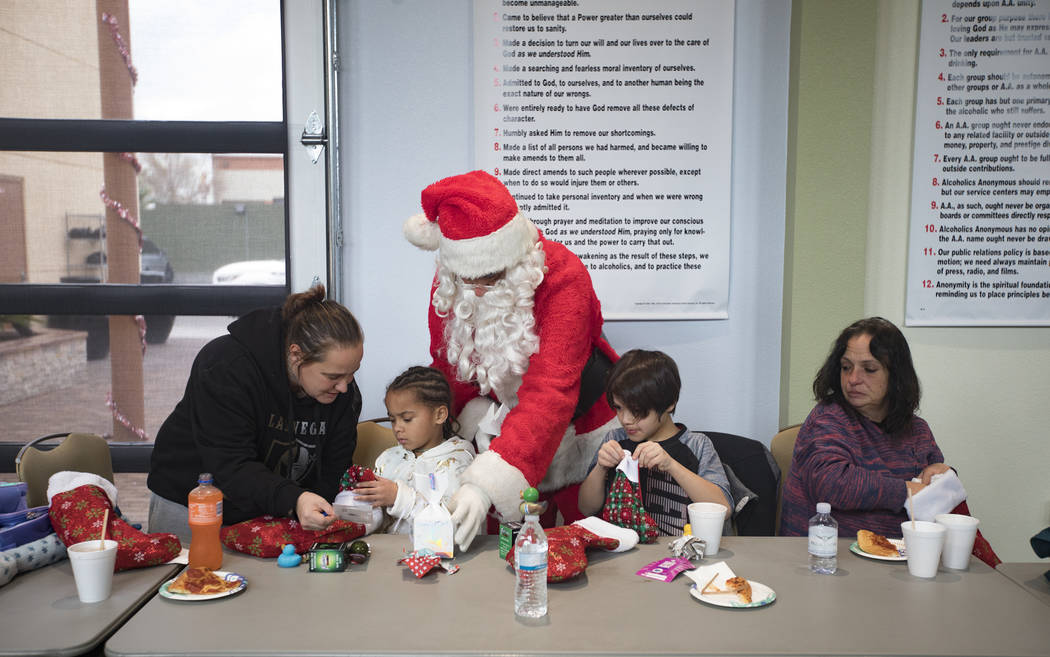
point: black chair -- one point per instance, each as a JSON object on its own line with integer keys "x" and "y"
{"x": 753, "y": 465}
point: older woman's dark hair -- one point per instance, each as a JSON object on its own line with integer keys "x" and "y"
{"x": 890, "y": 348}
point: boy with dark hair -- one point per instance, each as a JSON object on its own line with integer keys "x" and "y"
{"x": 677, "y": 466}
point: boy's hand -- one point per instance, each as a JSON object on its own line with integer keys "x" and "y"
{"x": 610, "y": 454}
{"x": 381, "y": 492}
{"x": 652, "y": 455}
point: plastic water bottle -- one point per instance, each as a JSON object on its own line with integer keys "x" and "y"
{"x": 530, "y": 566}
{"x": 205, "y": 503}
{"x": 823, "y": 541}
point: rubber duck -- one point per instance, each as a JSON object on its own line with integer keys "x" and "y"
{"x": 288, "y": 558}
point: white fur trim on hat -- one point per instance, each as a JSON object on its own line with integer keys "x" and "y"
{"x": 501, "y": 481}
{"x": 422, "y": 232}
{"x": 492, "y": 253}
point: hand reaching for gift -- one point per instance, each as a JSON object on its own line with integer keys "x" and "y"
{"x": 469, "y": 506}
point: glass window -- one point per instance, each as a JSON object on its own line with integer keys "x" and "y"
{"x": 172, "y": 117}
{"x": 198, "y": 212}
{"x": 193, "y": 60}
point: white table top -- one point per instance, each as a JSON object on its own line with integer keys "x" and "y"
{"x": 869, "y": 607}
{"x": 40, "y": 613}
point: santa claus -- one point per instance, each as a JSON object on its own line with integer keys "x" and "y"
{"x": 516, "y": 328}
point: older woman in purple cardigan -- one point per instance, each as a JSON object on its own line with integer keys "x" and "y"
{"x": 862, "y": 444}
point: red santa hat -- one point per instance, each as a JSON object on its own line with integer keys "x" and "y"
{"x": 474, "y": 221}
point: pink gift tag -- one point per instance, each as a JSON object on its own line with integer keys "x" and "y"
{"x": 665, "y": 570}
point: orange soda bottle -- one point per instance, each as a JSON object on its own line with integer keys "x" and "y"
{"x": 205, "y": 503}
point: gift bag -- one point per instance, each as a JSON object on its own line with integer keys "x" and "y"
{"x": 623, "y": 507}
{"x": 432, "y": 525}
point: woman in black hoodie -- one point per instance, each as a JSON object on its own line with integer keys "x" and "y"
{"x": 271, "y": 410}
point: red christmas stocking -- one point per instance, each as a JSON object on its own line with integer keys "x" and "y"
{"x": 76, "y": 515}
{"x": 566, "y": 550}
{"x": 623, "y": 507}
{"x": 265, "y": 536}
{"x": 982, "y": 549}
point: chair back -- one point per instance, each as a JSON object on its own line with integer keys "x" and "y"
{"x": 372, "y": 440}
{"x": 79, "y": 452}
{"x": 751, "y": 464}
{"x": 783, "y": 446}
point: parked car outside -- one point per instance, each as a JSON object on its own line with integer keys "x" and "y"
{"x": 154, "y": 268}
{"x": 250, "y": 272}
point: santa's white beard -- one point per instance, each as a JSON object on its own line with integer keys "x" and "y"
{"x": 489, "y": 339}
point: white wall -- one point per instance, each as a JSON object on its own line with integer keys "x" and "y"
{"x": 407, "y": 122}
{"x": 985, "y": 390}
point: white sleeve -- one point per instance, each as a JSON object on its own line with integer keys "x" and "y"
{"x": 455, "y": 464}
{"x": 405, "y": 502}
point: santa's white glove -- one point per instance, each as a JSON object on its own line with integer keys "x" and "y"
{"x": 469, "y": 506}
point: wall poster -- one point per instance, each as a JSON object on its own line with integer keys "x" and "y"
{"x": 611, "y": 123}
{"x": 979, "y": 245}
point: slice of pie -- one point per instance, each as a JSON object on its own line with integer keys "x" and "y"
{"x": 200, "y": 581}
{"x": 737, "y": 585}
{"x": 741, "y": 586}
{"x": 876, "y": 544}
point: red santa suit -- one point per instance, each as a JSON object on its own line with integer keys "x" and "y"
{"x": 539, "y": 442}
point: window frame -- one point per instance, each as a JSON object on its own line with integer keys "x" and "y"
{"x": 307, "y": 57}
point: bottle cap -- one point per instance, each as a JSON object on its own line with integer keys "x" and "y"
{"x": 204, "y": 478}
{"x": 530, "y": 504}
{"x": 823, "y": 507}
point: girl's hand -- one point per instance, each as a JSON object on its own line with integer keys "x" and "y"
{"x": 930, "y": 470}
{"x": 381, "y": 492}
{"x": 610, "y": 454}
{"x": 652, "y": 455}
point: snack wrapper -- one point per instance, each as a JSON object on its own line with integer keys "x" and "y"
{"x": 432, "y": 526}
{"x": 688, "y": 547}
{"x": 665, "y": 570}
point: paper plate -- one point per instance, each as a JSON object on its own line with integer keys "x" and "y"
{"x": 897, "y": 543}
{"x": 761, "y": 595}
{"x": 195, "y": 597}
